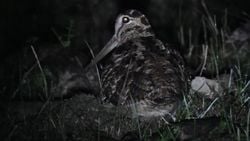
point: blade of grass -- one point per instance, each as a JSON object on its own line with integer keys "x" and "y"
{"x": 42, "y": 72}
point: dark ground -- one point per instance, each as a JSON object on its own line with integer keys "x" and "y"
{"x": 59, "y": 101}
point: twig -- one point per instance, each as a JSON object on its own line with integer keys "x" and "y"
{"x": 209, "y": 107}
{"x": 211, "y": 21}
{"x": 42, "y": 72}
{"x": 97, "y": 70}
{"x": 44, "y": 81}
{"x": 58, "y": 36}
{"x": 23, "y": 80}
{"x": 205, "y": 59}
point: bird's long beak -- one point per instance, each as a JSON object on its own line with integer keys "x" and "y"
{"x": 113, "y": 42}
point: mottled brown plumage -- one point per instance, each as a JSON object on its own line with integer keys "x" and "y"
{"x": 139, "y": 70}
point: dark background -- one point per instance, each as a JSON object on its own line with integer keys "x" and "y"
{"x": 59, "y": 31}
{"x": 22, "y": 21}
{"x": 48, "y": 24}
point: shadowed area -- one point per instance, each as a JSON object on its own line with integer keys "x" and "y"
{"x": 46, "y": 92}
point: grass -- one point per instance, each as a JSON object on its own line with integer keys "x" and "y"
{"x": 213, "y": 51}
{"x": 65, "y": 40}
{"x": 231, "y": 106}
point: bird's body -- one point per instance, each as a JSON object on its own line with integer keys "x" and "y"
{"x": 140, "y": 70}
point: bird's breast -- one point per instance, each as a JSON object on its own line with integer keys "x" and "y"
{"x": 140, "y": 70}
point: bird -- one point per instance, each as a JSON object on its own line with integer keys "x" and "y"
{"x": 139, "y": 70}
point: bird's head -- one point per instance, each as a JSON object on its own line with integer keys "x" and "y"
{"x": 129, "y": 25}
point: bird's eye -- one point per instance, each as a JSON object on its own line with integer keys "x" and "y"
{"x": 125, "y": 19}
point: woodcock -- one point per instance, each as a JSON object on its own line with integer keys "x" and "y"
{"x": 138, "y": 69}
